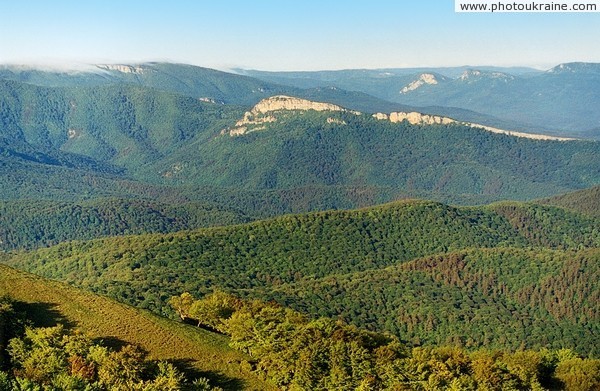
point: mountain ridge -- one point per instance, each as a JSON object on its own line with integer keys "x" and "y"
{"x": 533, "y": 98}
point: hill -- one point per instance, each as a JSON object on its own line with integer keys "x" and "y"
{"x": 31, "y": 224}
{"x": 123, "y": 125}
{"x": 296, "y": 148}
{"x": 132, "y": 132}
{"x": 50, "y": 302}
{"x": 264, "y": 257}
{"x": 181, "y": 79}
{"x": 557, "y": 100}
{"x": 468, "y": 298}
{"x": 585, "y": 201}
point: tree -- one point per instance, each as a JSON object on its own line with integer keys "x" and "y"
{"x": 181, "y": 304}
{"x": 577, "y": 374}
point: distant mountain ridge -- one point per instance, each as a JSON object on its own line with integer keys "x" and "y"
{"x": 162, "y": 138}
{"x": 261, "y": 114}
{"x": 142, "y": 123}
{"x": 215, "y": 86}
{"x": 558, "y": 100}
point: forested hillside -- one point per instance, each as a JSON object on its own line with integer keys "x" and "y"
{"x": 122, "y": 125}
{"x": 299, "y": 353}
{"x": 128, "y": 131}
{"x": 467, "y": 298}
{"x": 327, "y": 148}
{"x": 289, "y": 257}
{"x": 585, "y": 201}
{"x": 279, "y": 345}
{"x": 29, "y": 224}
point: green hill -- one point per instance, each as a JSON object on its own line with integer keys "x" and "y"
{"x": 343, "y": 149}
{"x": 550, "y": 226}
{"x": 201, "y": 352}
{"x": 31, "y": 224}
{"x": 585, "y": 201}
{"x": 270, "y": 252}
{"x": 469, "y": 297}
{"x": 263, "y": 257}
{"x": 122, "y": 125}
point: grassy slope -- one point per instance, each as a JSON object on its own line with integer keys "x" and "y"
{"x": 101, "y": 317}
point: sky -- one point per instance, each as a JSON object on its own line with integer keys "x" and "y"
{"x": 289, "y": 34}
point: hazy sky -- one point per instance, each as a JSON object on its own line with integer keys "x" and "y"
{"x": 289, "y": 34}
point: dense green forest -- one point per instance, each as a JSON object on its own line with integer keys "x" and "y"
{"x": 29, "y": 224}
{"x": 53, "y": 359}
{"x": 333, "y": 253}
{"x": 585, "y": 201}
{"x": 301, "y": 149}
{"x": 286, "y": 348}
{"x": 546, "y": 298}
{"x": 295, "y": 352}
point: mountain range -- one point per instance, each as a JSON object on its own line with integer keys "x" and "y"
{"x": 356, "y": 229}
{"x": 555, "y": 101}
{"x": 142, "y": 124}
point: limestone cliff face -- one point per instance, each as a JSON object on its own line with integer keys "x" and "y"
{"x": 283, "y": 102}
{"x": 269, "y": 110}
{"x": 265, "y": 112}
{"x": 425, "y": 78}
{"x": 519, "y": 134}
{"x": 415, "y": 118}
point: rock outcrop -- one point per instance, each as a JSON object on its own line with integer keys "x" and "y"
{"x": 269, "y": 110}
{"x": 425, "y": 78}
{"x": 415, "y": 118}
{"x": 283, "y": 102}
{"x": 474, "y": 74}
{"x": 263, "y": 112}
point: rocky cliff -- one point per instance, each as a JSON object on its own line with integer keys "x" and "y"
{"x": 267, "y": 110}
{"x": 264, "y": 111}
{"x": 425, "y": 78}
{"x": 415, "y": 118}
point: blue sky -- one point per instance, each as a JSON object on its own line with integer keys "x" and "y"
{"x": 289, "y": 34}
